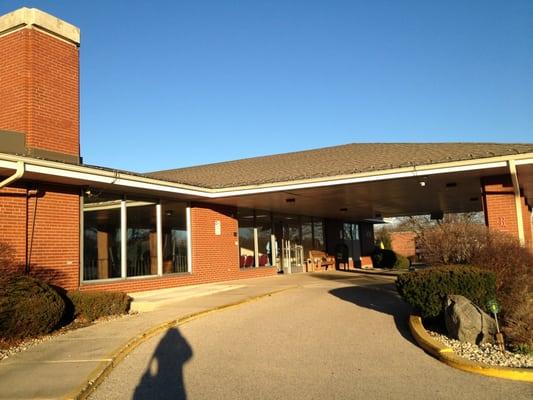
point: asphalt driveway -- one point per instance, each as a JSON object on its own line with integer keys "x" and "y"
{"x": 337, "y": 336}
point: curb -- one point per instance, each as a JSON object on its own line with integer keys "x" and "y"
{"x": 447, "y": 356}
{"x": 382, "y": 273}
{"x": 104, "y": 369}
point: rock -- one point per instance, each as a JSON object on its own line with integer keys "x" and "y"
{"x": 467, "y": 322}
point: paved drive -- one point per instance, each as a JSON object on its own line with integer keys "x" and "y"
{"x": 337, "y": 336}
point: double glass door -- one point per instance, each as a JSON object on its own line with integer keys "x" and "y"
{"x": 287, "y": 238}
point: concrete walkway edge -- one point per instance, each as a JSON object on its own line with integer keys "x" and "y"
{"x": 103, "y": 370}
{"x": 448, "y": 356}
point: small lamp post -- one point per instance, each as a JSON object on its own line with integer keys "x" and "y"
{"x": 494, "y": 307}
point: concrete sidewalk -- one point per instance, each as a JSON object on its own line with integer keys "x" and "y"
{"x": 62, "y": 366}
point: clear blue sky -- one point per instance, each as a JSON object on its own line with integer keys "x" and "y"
{"x": 166, "y": 84}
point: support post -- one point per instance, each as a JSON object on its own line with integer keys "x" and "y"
{"x": 159, "y": 230}
{"x": 517, "y": 201}
{"x": 123, "y": 239}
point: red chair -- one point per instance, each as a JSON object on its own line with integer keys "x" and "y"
{"x": 249, "y": 261}
{"x": 263, "y": 260}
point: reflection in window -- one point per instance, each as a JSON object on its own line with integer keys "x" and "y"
{"x": 318, "y": 234}
{"x": 142, "y": 239}
{"x": 350, "y": 236}
{"x": 307, "y": 235}
{"x": 101, "y": 237}
{"x": 263, "y": 225}
{"x": 246, "y": 238}
{"x": 174, "y": 238}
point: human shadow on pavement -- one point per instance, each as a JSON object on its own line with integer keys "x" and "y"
{"x": 163, "y": 378}
{"x": 381, "y": 297}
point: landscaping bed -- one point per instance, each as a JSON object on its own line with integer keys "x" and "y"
{"x": 486, "y": 353}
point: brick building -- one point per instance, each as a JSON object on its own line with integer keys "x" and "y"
{"x": 89, "y": 227}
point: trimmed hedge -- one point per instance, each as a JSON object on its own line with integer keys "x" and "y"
{"x": 28, "y": 307}
{"x": 93, "y": 305}
{"x": 426, "y": 290}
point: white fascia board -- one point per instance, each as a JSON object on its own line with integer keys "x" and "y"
{"x": 524, "y": 161}
{"x": 158, "y": 187}
{"x": 39, "y": 169}
{"x": 372, "y": 178}
{"x": 89, "y": 174}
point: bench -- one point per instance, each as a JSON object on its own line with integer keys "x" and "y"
{"x": 319, "y": 259}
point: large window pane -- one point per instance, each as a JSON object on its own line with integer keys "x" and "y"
{"x": 174, "y": 238}
{"x": 307, "y": 235}
{"x": 263, "y": 225}
{"x": 142, "y": 239}
{"x": 101, "y": 236}
{"x": 246, "y": 238}
{"x": 318, "y": 234}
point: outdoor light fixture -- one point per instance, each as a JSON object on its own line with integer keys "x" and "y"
{"x": 168, "y": 213}
{"x": 422, "y": 183}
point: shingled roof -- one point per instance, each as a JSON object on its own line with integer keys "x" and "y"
{"x": 333, "y": 161}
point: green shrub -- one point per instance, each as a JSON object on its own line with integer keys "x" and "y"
{"x": 28, "y": 307}
{"x": 474, "y": 244}
{"x": 401, "y": 262}
{"x": 93, "y": 305}
{"x": 384, "y": 258}
{"x": 426, "y": 290}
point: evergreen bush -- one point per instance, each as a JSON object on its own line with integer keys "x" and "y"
{"x": 28, "y": 307}
{"x": 93, "y": 305}
{"x": 426, "y": 290}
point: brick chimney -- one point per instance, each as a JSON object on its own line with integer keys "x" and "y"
{"x": 39, "y": 85}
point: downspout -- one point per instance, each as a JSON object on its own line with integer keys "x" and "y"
{"x": 16, "y": 176}
{"x": 517, "y": 201}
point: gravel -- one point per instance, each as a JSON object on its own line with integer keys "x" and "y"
{"x": 486, "y": 353}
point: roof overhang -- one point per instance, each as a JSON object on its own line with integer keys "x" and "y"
{"x": 449, "y": 187}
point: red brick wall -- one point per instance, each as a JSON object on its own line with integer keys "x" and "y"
{"x": 499, "y": 204}
{"x": 500, "y": 208}
{"x": 13, "y": 222}
{"x": 39, "y": 91}
{"x": 49, "y": 235}
{"x": 214, "y": 258}
{"x": 403, "y": 243}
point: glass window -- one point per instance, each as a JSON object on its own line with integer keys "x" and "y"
{"x": 101, "y": 236}
{"x": 246, "y": 238}
{"x": 174, "y": 237}
{"x": 263, "y": 224}
{"x": 318, "y": 234}
{"x": 141, "y": 238}
{"x": 307, "y": 235}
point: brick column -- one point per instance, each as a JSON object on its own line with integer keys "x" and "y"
{"x": 39, "y": 75}
{"x": 39, "y": 99}
{"x": 500, "y": 208}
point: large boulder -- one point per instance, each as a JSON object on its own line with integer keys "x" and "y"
{"x": 467, "y": 322}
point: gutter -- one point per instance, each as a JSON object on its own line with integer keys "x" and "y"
{"x": 16, "y": 176}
